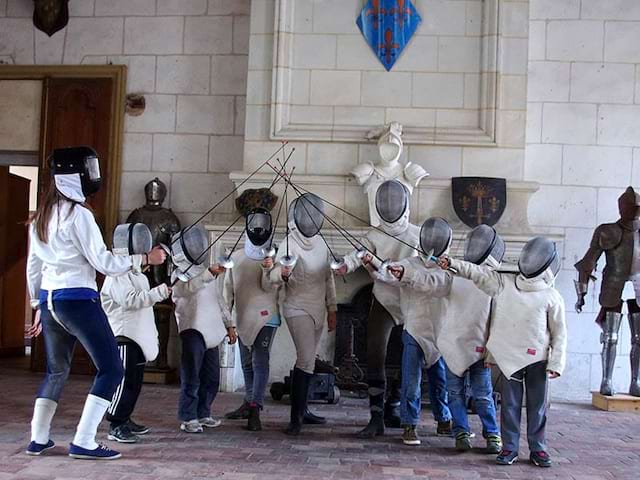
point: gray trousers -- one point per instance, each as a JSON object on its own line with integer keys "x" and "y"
{"x": 534, "y": 378}
{"x": 306, "y": 338}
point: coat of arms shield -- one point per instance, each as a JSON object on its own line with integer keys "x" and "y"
{"x": 50, "y": 16}
{"x": 478, "y": 200}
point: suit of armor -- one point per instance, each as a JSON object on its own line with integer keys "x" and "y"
{"x": 163, "y": 224}
{"x": 620, "y": 242}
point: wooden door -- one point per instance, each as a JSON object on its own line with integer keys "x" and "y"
{"x": 14, "y": 212}
{"x": 77, "y": 111}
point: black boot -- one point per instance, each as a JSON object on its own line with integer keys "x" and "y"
{"x": 311, "y": 419}
{"x": 392, "y": 406}
{"x": 241, "y": 413}
{"x": 299, "y": 392}
{"x": 374, "y": 428}
{"x": 253, "y": 423}
{"x": 376, "y": 404}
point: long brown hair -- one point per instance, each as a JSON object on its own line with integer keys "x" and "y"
{"x": 42, "y": 216}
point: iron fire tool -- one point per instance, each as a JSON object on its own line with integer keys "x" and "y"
{"x": 362, "y": 251}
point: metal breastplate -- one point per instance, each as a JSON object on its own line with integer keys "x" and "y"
{"x": 635, "y": 261}
{"x": 163, "y": 223}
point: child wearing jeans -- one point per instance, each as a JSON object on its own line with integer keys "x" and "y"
{"x": 203, "y": 322}
{"x": 527, "y": 340}
{"x": 422, "y": 289}
{"x": 463, "y": 341}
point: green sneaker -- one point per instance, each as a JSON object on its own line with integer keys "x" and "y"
{"x": 494, "y": 444}
{"x": 410, "y": 435}
{"x": 463, "y": 442}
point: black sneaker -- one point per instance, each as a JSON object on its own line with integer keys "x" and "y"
{"x": 136, "y": 428}
{"x": 122, "y": 434}
{"x": 507, "y": 457}
{"x": 540, "y": 459}
{"x": 444, "y": 429}
{"x": 241, "y": 413}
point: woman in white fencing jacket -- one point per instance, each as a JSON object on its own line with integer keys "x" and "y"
{"x": 303, "y": 270}
{"x": 66, "y": 249}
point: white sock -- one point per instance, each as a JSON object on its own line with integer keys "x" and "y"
{"x": 43, "y": 413}
{"x": 94, "y": 410}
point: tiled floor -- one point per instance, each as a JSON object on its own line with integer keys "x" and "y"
{"x": 586, "y": 444}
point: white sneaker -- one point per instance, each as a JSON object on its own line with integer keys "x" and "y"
{"x": 209, "y": 422}
{"x": 192, "y": 426}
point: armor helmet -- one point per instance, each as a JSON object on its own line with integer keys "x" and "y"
{"x": 629, "y": 205}
{"x": 155, "y": 192}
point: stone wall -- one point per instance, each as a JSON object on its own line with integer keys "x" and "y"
{"x": 335, "y": 88}
{"x": 189, "y": 59}
{"x": 583, "y": 134}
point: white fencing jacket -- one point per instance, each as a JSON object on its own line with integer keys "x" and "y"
{"x": 422, "y": 289}
{"x": 250, "y": 295}
{"x": 387, "y": 248}
{"x": 74, "y": 252}
{"x": 311, "y": 289}
{"x": 128, "y": 302}
{"x": 199, "y": 306}
{"x": 527, "y": 320}
{"x": 464, "y": 326}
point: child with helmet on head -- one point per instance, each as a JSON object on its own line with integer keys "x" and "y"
{"x": 527, "y": 340}
{"x": 253, "y": 298}
{"x": 203, "y": 323}
{"x": 422, "y": 289}
{"x": 128, "y": 301}
{"x": 463, "y": 335}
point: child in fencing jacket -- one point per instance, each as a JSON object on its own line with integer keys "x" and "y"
{"x": 128, "y": 302}
{"x": 527, "y": 340}
{"x": 203, "y": 322}
{"x": 462, "y": 343}
{"x": 253, "y": 299}
{"x": 422, "y": 288}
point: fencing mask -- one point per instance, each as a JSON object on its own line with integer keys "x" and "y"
{"x": 132, "y": 239}
{"x": 307, "y": 213}
{"x": 76, "y": 172}
{"x": 435, "y": 236}
{"x": 538, "y": 255}
{"x": 188, "y": 248}
{"x": 392, "y": 201}
{"x": 483, "y": 242}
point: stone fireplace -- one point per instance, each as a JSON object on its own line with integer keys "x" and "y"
{"x": 459, "y": 89}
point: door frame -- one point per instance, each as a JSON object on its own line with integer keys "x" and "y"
{"x": 117, "y": 73}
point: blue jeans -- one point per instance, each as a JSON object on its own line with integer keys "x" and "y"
{"x": 482, "y": 389}
{"x": 534, "y": 378}
{"x": 86, "y": 322}
{"x": 410, "y": 403}
{"x": 255, "y": 365}
{"x": 199, "y": 377}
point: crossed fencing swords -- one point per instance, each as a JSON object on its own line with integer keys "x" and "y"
{"x": 289, "y": 260}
